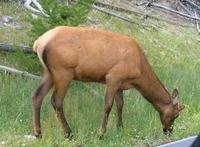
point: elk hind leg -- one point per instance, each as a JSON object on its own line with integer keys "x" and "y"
{"x": 61, "y": 83}
{"x": 37, "y": 99}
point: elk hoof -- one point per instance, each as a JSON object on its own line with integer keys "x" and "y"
{"x": 38, "y": 135}
{"x": 101, "y": 137}
{"x": 101, "y": 134}
{"x": 69, "y": 135}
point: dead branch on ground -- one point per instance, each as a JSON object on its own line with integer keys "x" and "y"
{"x": 192, "y": 4}
{"x": 112, "y": 14}
{"x": 38, "y": 11}
{"x": 10, "y": 47}
{"x": 184, "y": 7}
{"x": 18, "y": 72}
{"x": 119, "y": 8}
{"x": 173, "y": 11}
{"x": 197, "y": 23}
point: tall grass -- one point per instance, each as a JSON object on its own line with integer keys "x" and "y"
{"x": 173, "y": 53}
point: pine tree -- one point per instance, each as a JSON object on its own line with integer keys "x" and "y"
{"x": 60, "y": 14}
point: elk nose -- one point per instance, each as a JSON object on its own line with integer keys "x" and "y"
{"x": 168, "y": 131}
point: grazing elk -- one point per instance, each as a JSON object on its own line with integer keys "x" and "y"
{"x": 92, "y": 55}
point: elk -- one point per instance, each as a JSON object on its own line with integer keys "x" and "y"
{"x": 93, "y": 55}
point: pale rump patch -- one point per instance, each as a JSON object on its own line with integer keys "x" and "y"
{"x": 39, "y": 53}
{"x": 35, "y": 46}
{"x": 40, "y": 43}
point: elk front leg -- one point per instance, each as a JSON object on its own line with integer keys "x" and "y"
{"x": 119, "y": 103}
{"x": 111, "y": 89}
{"x": 37, "y": 101}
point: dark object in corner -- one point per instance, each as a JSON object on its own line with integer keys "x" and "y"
{"x": 196, "y": 143}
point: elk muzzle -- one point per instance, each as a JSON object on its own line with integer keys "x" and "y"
{"x": 168, "y": 131}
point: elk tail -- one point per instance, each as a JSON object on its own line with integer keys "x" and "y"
{"x": 40, "y": 50}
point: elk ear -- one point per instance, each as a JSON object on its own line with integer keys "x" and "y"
{"x": 181, "y": 107}
{"x": 175, "y": 95}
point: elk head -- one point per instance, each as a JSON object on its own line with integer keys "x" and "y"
{"x": 170, "y": 113}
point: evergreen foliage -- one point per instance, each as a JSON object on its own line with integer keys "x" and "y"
{"x": 60, "y": 14}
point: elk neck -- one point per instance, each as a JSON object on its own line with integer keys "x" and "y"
{"x": 152, "y": 89}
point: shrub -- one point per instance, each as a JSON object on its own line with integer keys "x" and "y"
{"x": 60, "y": 14}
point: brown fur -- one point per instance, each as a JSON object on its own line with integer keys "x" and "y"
{"x": 93, "y": 55}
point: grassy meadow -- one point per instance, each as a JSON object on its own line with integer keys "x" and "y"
{"x": 172, "y": 51}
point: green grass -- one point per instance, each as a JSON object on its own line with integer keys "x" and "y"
{"x": 173, "y": 53}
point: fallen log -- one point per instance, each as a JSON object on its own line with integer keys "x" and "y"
{"x": 197, "y": 23}
{"x": 10, "y": 47}
{"x": 192, "y": 4}
{"x": 173, "y": 11}
{"x": 17, "y": 72}
{"x": 121, "y": 17}
{"x": 184, "y": 8}
{"x": 130, "y": 11}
